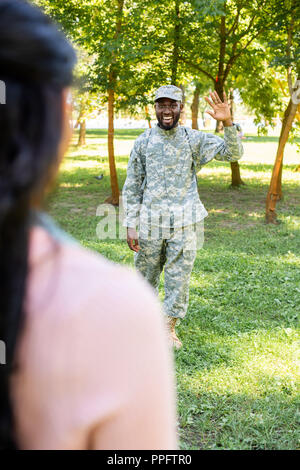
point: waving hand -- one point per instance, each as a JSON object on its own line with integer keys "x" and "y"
{"x": 220, "y": 110}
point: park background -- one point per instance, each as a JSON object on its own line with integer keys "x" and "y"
{"x": 237, "y": 374}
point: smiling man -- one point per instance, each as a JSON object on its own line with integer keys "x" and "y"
{"x": 168, "y": 112}
{"x": 163, "y": 212}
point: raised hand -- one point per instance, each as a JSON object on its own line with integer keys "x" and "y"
{"x": 221, "y": 110}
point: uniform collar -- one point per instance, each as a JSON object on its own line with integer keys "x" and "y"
{"x": 171, "y": 132}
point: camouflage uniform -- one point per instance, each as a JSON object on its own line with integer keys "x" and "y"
{"x": 160, "y": 196}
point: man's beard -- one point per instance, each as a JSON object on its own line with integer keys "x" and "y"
{"x": 168, "y": 128}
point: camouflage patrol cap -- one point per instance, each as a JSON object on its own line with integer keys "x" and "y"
{"x": 168, "y": 91}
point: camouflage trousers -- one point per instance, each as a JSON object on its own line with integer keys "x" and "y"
{"x": 175, "y": 255}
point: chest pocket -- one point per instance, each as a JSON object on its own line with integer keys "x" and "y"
{"x": 154, "y": 167}
{"x": 154, "y": 182}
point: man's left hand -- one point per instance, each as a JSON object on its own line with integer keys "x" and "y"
{"x": 221, "y": 110}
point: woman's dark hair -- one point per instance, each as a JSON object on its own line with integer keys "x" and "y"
{"x": 36, "y": 63}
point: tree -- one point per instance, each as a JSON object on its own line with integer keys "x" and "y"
{"x": 221, "y": 33}
{"x": 138, "y": 46}
{"x": 88, "y": 106}
{"x": 176, "y": 40}
{"x": 112, "y": 77}
{"x": 200, "y": 88}
{"x": 125, "y": 69}
{"x": 286, "y": 52}
{"x": 195, "y": 106}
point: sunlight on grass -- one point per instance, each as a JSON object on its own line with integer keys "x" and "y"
{"x": 70, "y": 164}
{"x": 263, "y": 363}
{"x": 69, "y": 185}
{"x": 223, "y": 170}
{"x": 265, "y": 152}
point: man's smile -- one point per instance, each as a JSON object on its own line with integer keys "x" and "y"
{"x": 167, "y": 120}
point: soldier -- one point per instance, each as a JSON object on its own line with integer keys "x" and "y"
{"x": 160, "y": 195}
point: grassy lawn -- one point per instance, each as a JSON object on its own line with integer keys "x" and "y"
{"x": 237, "y": 376}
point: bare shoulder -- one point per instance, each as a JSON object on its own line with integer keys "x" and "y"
{"x": 72, "y": 276}
{"x": 85, "y": 303}
{"x": 92, "y": 333}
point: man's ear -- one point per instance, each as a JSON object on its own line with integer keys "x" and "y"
{"x": 181, "y": 106}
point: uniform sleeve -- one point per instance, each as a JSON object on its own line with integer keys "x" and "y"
{"x": 229, "y": 149}
{"x": 132, "y": 190}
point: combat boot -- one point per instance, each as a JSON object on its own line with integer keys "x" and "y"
{"x": 174, "y": 340}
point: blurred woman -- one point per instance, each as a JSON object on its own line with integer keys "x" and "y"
{"x": 87, "y": 364}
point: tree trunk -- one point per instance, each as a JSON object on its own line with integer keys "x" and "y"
{"x": 236, "y": 179}
{"x": 219, "y": 81}
{"x": 195, "y": 109}
{"x": 280, "y": 196}
{"x": 219, "y": 88}
{"x": 115, "y": 193}
{"x": 230, "y": 98}
{"x": 148, "y": 117}
{"x": 114, "y": 198}
{"x": 183, "y": 113}
{"x": 81, "y": 122}
{"x": 275, "y": 184}
{"x": 82, "y": 134}
{"x": 175, "y": 55}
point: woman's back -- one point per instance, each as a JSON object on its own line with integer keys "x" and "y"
{"x": 87, "y": 375}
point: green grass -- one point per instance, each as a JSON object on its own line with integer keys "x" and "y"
{"x": 237, "y": 374}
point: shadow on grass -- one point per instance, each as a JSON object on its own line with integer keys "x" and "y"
{"x": 238, "y": 422}
{"x": 256, "y": 167}
{"x": 100, "y": 160}
{"x": 125, "y": 134}
{"x": 119, "y": 134}
{"x": 253, "y": 138}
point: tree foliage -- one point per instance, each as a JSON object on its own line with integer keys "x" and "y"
{"x": 137, "y": 46}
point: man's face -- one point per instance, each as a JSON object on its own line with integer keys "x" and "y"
{"x": 167, "y": 112}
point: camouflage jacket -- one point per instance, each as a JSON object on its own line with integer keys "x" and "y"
{"x": 161, "y": 184}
